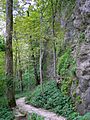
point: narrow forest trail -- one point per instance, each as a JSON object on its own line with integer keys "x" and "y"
{"x": 25, "y": 108}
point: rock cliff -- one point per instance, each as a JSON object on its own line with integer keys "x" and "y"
{"x": 78, "y": 33}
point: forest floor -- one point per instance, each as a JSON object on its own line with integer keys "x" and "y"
{"x": 28, "y": 109}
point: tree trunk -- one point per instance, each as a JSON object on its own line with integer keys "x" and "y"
{"x": 41, "y": 50}
{"x": 21, "y": 80}
{"x": 54, "y": 11}
{"x": 20, "y": 72}
{"x": 41, "y": 70}
{"x": 35, "y": 71}
{"x": 16, "y": 62}
{"x": 54, "y": 58}
{"x": 9, "y": 54}
{"x": 16, "y": 55}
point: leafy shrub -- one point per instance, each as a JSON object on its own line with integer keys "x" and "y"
{"x": 6, "y": 114}
{"x": 3, "y": 101}
{"x": 65, "y": 85}
{"x": 85, "y": 117}
{"x": 52, "y": 99}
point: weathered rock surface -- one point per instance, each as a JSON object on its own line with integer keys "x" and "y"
{"x": 83, "y": 74}
{"x": 78, "y": 32}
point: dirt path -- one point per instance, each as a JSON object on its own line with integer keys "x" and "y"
{"x": 30, "y": 109}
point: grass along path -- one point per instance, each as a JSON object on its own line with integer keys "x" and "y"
{"x": 25, "y": 108}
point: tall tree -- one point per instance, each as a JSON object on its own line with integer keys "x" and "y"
{"x": 34, "y": 62}
{"x": 20, "y": 70}
{"x": 41, "y": 46}
{"x": 54, "y": 11}
{"x": 9, "y": 54}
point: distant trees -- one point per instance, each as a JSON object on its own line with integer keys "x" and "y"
{"x": 37, "y": 41}
{"x": 37, "y": 28}
{"x": 9, "y": 54}
{"x": 39, "y": 22}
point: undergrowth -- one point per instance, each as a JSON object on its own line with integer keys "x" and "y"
{"x": 52, "y": 99}
{"x": 5, "y": 112}
{"x": 85, "y": 117}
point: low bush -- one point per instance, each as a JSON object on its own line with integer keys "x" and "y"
{"x": 3, "y": 101}
{"x": 5, "y": 112}
{"x": 52, "y": 99}
{"x": 85, "y": 117}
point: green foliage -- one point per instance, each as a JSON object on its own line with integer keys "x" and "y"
{"x": 6, "y": 114}
{"x": 81, "y": 38}
{"x": 28, "y": 78}
{"x": 85, "y": 117}
{"x": 52, "y": 99}
{"x": 2, "y": 66}
{"x": 66, "y": 68}
{"x": 3, "y": 101}
{"x": 23, "y": 94}
{"x": 66, "y": 64}
{"x": 65, "y": 85}
{"x": 2, "y": 85}
{"x": 34, "y": 117}
{"x": 2, "y": 45}
{"x": 29, "y": 81}
{"x": 2, "y": 71}
{"x": 63, "y": 63}
{"x": 2, "y": 63}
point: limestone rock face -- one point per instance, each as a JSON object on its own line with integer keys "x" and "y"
{"x": 83, "y": 75}
{"x": 79, "y": 30}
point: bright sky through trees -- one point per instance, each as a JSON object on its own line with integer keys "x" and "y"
{"x": 21, "y": 3}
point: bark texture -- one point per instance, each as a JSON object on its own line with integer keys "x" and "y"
{"x": 9, "y": 54}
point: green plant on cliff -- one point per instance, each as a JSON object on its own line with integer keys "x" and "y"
{"x": 66, "y": 64}
{"x": 66, "y": 68}
{"x": 65, "y": 85}
{"x": 63, "y": 63}
{"x": 81, "y": 37}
